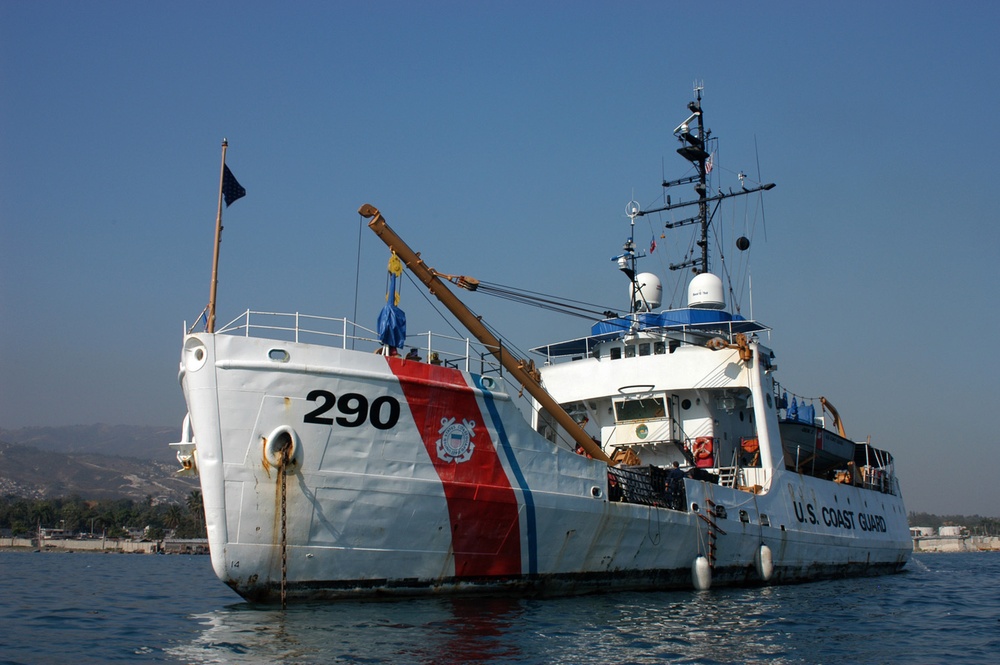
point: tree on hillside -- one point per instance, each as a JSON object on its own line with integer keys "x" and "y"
{"x": 72, "y": 514}
{"x": 42, "y": 512}
{"x": 23, "y": 516}
{"x": 195, "y": 504}
{"x": 173, "y": 517}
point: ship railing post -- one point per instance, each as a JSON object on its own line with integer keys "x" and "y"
{"x": 345, "y": 332}
{"x": 468, "y": 353}
{"x": 246, "y": 333}
{"x": 296, "y": 327}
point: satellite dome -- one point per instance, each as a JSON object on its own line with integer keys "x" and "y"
{"x": 648, "y": 292}
{"x": 705, "y": 292}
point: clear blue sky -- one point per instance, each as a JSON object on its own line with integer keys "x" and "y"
{"x": 503, "y": 140}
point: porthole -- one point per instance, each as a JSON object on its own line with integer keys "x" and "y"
{"x": 278, "y": 355}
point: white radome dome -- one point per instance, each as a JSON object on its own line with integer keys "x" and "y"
{"x": 705, "y": 292}
{"x": 648, "y": 292}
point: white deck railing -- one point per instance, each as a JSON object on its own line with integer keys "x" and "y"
{"x": 458, "y": 352}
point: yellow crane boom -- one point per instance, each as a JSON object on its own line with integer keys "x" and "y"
{"x": 523, "y": 371}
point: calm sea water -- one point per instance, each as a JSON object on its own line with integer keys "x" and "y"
{"x": 99, "y": 608}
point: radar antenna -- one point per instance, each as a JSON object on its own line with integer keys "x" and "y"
{"x": 694, "y": 147}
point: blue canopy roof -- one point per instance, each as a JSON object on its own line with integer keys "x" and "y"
{"x": 689, "y": 318}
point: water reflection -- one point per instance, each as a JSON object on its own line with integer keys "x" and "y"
{"x": 475, "y": 631}
{"x": 108, "y": 608}
{"x": 761, "y": 625}
{"x": 460, "y": 630}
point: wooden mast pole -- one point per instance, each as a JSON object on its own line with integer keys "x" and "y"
{"x": 210, "y": 324}
{"x": 524, "y": 372}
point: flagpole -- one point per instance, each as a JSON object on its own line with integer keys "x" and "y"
{"x": 210, "y": 325}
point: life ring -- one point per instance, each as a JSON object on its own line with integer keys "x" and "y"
{"x": 702, "y": 447}
{"x": 750, "y": 445}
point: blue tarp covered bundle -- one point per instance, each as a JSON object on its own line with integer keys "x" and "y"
{"x": 392, "y": 320}
{"x": 808, "y": 414}
{"x": 392, "y": 326}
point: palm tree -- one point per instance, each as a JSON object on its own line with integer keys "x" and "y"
{"x": 194, "y": 502}
{"x": 173, "y": 516}
{"x": 196, "y": 507}
{"x": 43, "y": 513}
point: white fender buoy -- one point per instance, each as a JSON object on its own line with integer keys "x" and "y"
{"x": 282, "y": 438}
{"x": 701, "y": 574}
{"x": 764, "y": 563}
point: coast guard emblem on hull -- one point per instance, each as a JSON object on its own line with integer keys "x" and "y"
{"x": 455, "y": 444}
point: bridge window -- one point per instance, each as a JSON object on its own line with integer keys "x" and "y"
{"x": 647, "y": 408}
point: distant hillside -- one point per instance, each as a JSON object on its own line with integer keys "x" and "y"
{"x": 27, "y": 471}
{"x": 139, "y": 442}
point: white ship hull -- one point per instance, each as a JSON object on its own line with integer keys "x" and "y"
{"x": 411, "y": 478}
{"x": 661, "y": 452}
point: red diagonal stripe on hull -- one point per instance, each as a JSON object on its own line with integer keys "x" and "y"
{"x": 482, "y": 506}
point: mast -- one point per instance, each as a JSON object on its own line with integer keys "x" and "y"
{"x": 523, "y": 371}
{"x": 701, "y": 160}
{"x": 628, "y": 260}
{"x": 210, "y": 323}
{"x": 695, "y": 150}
